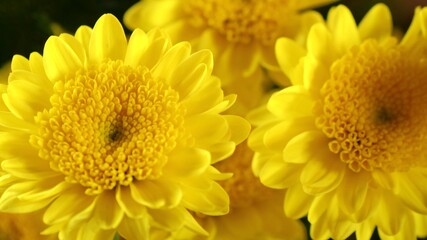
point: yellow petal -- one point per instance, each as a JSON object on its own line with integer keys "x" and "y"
{"x": 213, "y": 201}
{"x": 138, "y": 43}
{"x": 297, "y": 202}
{"x": 387, "y": 221}
{"x": 108, "y": 40}
{"x": 149, "y": 14}
{"x": 125, "y": 200}
{"x": 187, "y": 162}
{"x": 170, "y": 60}
{"x": 279, "y": 175}
{"x": 60, "y": 59}
{"x": 343, "y": 28}
{"x": 107, "y": 213}
{"x": 158, "y": 44}
{"x": 68, "y": 204}
{"x": 27, "y": 168}
{"x": 83, "y": 35}
{"x": 411, "y": 188}
{"x": 289, "y": 54}
{"x": 207, "y": 129}
{"x": 279, "y": 136}
{"x": 292, "y": 101}
{"x": 131, "y": 228}
{"x": 174, "y": 219}
{"x": 299, "y": 149}
{"x": 239, "y": 128}
{"x": 322, "y": 174}
{"x": 377, "y": 23}
{"x": 156, "y": 193}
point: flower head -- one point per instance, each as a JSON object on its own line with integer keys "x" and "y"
{"x": 348, "y": 139}
{"x": 118, "y": 135}
{"x": 241, "y": 34}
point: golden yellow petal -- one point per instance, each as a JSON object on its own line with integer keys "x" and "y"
{"x": 107, "y": 212}
{"x": 186, "y": 81}
{"x": 278, "y": 174}
{"x": 212, "y": 201}
{"x": 130, "y": 207}
{"x": 138, "y": 44}
{"x": 205, "y": 98}
{"x": 60, "y": 59}
{"x": 297, "y": 202}
{"x": 322, "y": 174}
{"x": 386, "y": 219}
{"x": 83, "y": 35}
{"x": 187, "y": 162}
{"x": 131, "y": 228}
{"x": 411, "y": 188}
{"x": 293, "y": 101}
{"x": 149, "y": 14}
{"x": 377, "y": 23}
{"x": 108, "y": 40}
{"x": 69, "y": 203}
{"x": 174, "y": 219}
{"x": 343, "y": 28}
{"x": 299, "y": 149}
{"x": 158, "y": 45}
{"x": 289, "y": 54}
{"x": 170, "y": 60}
{"x": 20, "y": 63}
{"x": 157, "y": 193}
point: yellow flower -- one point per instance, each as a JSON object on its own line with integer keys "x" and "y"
{"x": 240, "y": 33}
{"x": 256, "y": 212}
{"x": 112, "y": 135}
{"x": 348, "y": 139}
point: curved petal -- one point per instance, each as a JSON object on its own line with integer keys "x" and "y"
{"x": 279, "y": 175}
{"x": 299, "y": 149}
{"x": 323, "y": 174}
{"x": 149, "y": 14}
{"x": 130, "y": 207}
{"x": 68, "y": 204}
{"x": 170, "y": 60}
{"x": 131, "y": 228}
{"x": 60, "y": 59}
{"x": 138, "y": 44}
{"x": 297, "y": 202}
{"x": 377, "y": 23}
{"x": 156, "y": 193}
{"x": 292, "y": 101}
{"x": 343, "y": 28}
{"x": 289, "y": 54}
{"x": 211, "y": 201}
{"x": 108, "y": 40}
{"x": 107, "y": 213}
{"x": 187, "y": 162}
{"x": 412, "y": 190}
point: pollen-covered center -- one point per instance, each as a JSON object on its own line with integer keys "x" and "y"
{"x": 374, "y": 108}
{"x": 110, "y": 125}
{"x": 242, "y": 21}
{"x": 243, "y": 187}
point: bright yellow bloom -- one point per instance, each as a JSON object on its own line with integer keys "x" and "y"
{"x": 240, "y": 33}
{"x": 348, "y": 139}
{"x": 256, "y": 212}
{"x": 112, "y": 135}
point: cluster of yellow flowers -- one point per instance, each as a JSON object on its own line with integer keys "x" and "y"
{"x": 219, "y": 119}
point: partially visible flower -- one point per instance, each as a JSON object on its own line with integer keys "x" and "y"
{"x": 240, "y": 33}
{"x": 256, "y": 212}
{"x": 349, "y": 139}
{"x": 110, "y": 135}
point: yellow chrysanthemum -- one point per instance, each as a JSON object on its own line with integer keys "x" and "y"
{"x": 256, "y": 212}
{"x": 348, "y": 139}
{"x": 112, "y": 135}
{"x": 240, "y": 33}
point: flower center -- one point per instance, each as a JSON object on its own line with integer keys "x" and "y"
{"x": 243, "y": 188}
{"x": 241, "y": 21}
{"x": 109, "y": 125}
{"x": 374, "y": 108}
